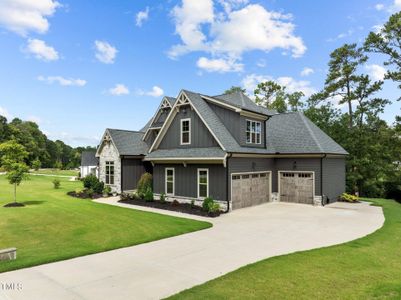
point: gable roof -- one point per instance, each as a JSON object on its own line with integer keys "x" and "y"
{"x": 128, "y": 142}
{"x": 240, "y": 100}
{"x": 88, "y": 158}
{"x": 295, "y": 133}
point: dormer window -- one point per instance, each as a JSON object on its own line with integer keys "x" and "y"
{"x": 253, "y": 132}
{"x": 185, "y": 131}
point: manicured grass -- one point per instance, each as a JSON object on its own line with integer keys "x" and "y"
{"x": 56, "y": 172}
{"x": 53, "y": 226}
{"x": 367, "y": 268}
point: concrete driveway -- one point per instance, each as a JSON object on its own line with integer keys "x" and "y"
{"x": 162, "y": 268}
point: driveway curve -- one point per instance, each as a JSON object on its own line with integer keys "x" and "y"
{"x": 165, "y": 267}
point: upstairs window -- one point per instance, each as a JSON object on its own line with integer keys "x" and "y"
{"x": 253, "y": 132}
{"x": 109, "y": 172}
{"x": 185, "y": 131}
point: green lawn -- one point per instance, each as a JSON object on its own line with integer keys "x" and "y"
{"x": 56, "y": 172}
{"x": 53, "y": 226}
{"x": 367, "y": 268}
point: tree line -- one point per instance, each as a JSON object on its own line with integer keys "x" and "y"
{"x": 40, "y": 151}
{"x": 374, "y": 146}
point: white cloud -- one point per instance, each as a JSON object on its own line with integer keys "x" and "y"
{"x": 23, "y": 16}
{"x": 62, "y": 80}
{"x": 141, "y": 17}
{"x": 377, "y": 72}
{"x": 40, "y": 50}
{"x": 155, "y": 92}
{"x": 119, "y": 90}
{"x": 261, "y": 63}
{"x": 219, "y": 65}
{"x": 307, "y": 71}
{"x": 234, "y": 31}
{"x": 292, "y": 85}
{"x": 105, "y": 52}
{"x": 342, "y": 35}
{"x": 4, "y": 112}
{"x": 397, "y": 4}
{"x": 379, "y": 6}
{"x": 34, "y": 119}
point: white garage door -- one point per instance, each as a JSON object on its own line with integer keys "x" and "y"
{"x": 250, "y": 189}
{"x": 296, "y": 187}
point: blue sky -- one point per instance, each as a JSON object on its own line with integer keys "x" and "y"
{"x": 77, "y": 67}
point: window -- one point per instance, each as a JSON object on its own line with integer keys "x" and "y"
{"x": 169, "y": 181}
{"x": 109, "y": 172}
{"x": 253, "y": 132}
{"x": 203, "y": 183}
{"x": 185, "y": 131}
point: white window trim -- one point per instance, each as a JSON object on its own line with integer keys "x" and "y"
{"x": 189, "y": 132}
{"x": 246, "y": 131}
{"x": 109, "y": 163}
{"x": 165, "y": 181}
{"x": 207, "y": 186}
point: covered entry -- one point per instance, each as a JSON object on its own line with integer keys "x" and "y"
{"x": 248, "y": 189}
{"x": 296, "y": 187}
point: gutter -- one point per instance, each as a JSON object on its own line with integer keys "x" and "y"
{"x": 228, "y": 181}
{"x": 321, "y": 177}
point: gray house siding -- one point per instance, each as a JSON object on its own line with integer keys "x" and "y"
{"x": 159, "y": 120}
{"x": 200, "y": 135}
{"x": 131, "y": 171}
{"x": 333, "y": 177}
{"x": 298, "y": 164}
{"x": 249, "y": 164}
{"x": 186, "y": 180}
{"x": 230, "y": 119}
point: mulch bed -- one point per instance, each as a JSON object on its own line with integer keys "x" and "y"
{"x": 172, "y": 206}
{"x": 83, "y": 195}
{"x": 14, "y": 204}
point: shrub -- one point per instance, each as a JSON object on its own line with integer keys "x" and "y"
{"x": 144, "y": 183}
{"x": 148, "y": 196}
{"x": 58, "y": 165}
{"x": 36, "y": 164}
{"x": 124, "y": 196}
{"x": 90, "y": 192}
{"x": 106, "y": 190}
{"x": 92, "y": 182}
{"x": 192, "y": 203}
{"x": 175, "y": 203}
{"x": 56, "y": 183}
{"x": 214, "y": 208}
{"x": 162, "y": 198}
{"x": 135, "y": 196}
{"x": 349, "y": 198}
{"x": 207, "y": 203}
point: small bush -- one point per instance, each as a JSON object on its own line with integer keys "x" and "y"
{"x": 162, "y": 198}
{"x": 144, "y": 183}
{"x": 90, "y": 192}
{"x": 36, "y": 164}
{"x": 92, "y": 182}
{"x": 135, "y": 196}
{"x": 125, "y": 196}
{"x": 192, "y": 203}
{"x": 214, "y": 208}
{"x": 56, "y": 183}
{"x": 106, "y": 190}
{"x": 175, "y": 203}
{"x": 148, "y": 196}
{"x": 349, "y": 198}
{"x": 207, "y": 203}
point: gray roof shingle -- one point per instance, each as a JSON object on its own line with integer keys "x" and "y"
{"x": 128, "y": 142}
{"x": 88, "y": 158}
{"x": 295, "y": 133}
{"x": 242, "y": 101}
{"x": 187, "y": 153}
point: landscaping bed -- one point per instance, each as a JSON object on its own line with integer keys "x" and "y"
{"x": 172, "y": 206}
{"x": 84, "y": 195}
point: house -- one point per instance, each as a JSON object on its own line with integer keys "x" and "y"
{"x": 228, "y": 148}
{"x": 89, "y": 164}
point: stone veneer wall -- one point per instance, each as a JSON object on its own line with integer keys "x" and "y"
{"x": 109, "y": 153}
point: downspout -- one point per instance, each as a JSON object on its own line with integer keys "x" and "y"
{"x": 321, "y": 176}
{"x": 227, "y": 181}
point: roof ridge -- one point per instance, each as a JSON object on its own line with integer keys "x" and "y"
{"x": 135, "y": 131}
{"x": 303, "y": 118}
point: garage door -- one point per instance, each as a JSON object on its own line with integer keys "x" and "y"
{"x": 296, "y": 187}
{"x": 250, "y": 189}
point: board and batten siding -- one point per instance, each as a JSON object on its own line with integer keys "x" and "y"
{"x": 186, "y": 180}
{"x": 200, "y": 135}
{"x": 230, "y": 119}
{"x": 333, "y": 177}
{"x": 298, "y": 164}
{"x": 109, "y": 153}
{"x": 248, "y": 164}
{"x": 132, "y": 170}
